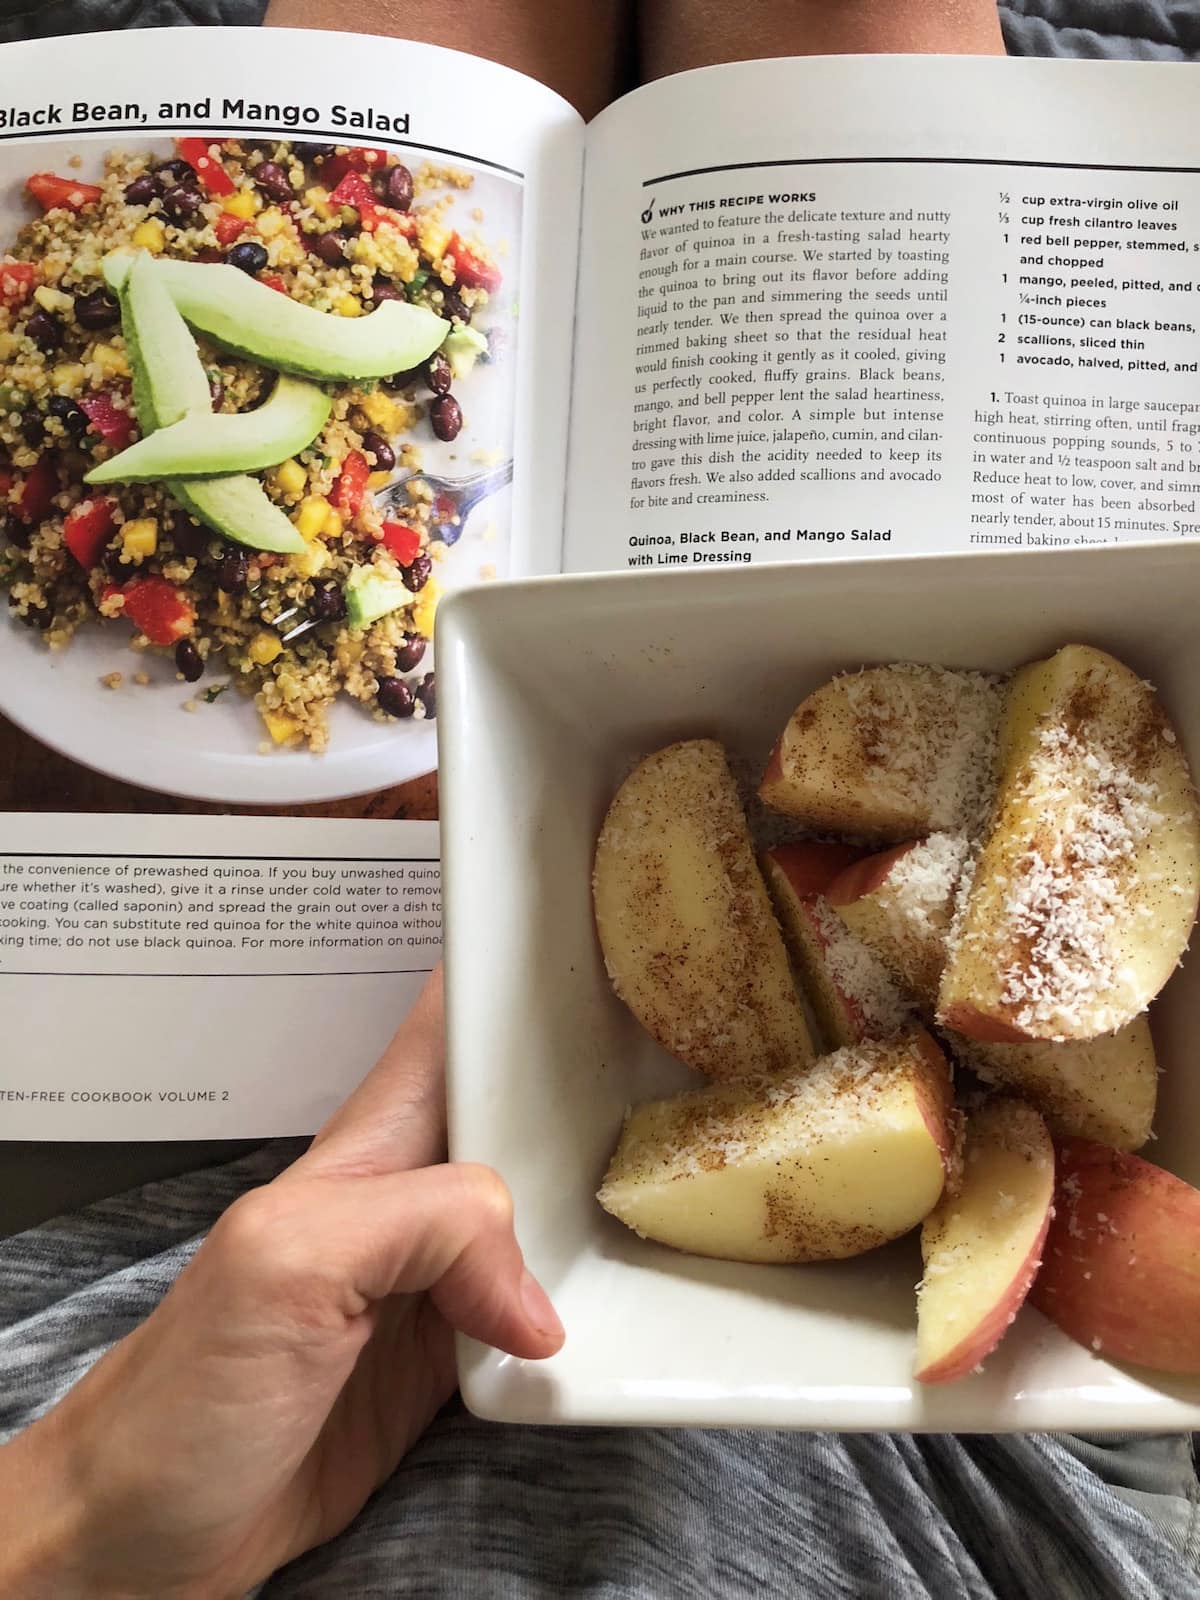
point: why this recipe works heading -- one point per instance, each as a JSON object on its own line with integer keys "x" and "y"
{"x": 219, "y": 113}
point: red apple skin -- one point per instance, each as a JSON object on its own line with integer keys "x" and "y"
{"x": 972, "y": 1023}
{"x": 774, "y": 768}
{"x": 865, "y": 875}
{"x": 942, "y": 1120}
{"x": 811, "y": 865}
{"x": 975, "y": 1348}
{"x": 839, "y": 1015}
{"x": 1121, "y": 1267}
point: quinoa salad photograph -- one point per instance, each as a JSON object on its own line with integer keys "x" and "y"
{"x": 252, "y": 394}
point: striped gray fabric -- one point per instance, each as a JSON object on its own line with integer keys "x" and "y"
{"x": 525, "y": 1513}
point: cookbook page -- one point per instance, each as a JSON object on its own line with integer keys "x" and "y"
{"x": 887, "y": 305}
{"x": 285, "y": 330}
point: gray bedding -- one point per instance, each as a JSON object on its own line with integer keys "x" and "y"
{"x": 1142, "y": 30}
{"x": 1148, "y": 30}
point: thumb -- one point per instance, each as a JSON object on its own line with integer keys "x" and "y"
{"x": 350, "y": 1242}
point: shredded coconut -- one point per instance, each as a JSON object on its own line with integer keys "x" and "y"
{"x": 929, "y": 733}
{"x": 1071, "y": 890}
{"x": 857, "y": 973}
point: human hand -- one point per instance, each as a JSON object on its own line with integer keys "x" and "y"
{"x": 298, "y": 1356}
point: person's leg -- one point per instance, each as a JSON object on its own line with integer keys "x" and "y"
{"x": 678, "y": 34}
{"x": 575, "y": 46}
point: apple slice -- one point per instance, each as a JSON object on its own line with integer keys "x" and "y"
{"x": 901, "y": 902}
{"x": 827, "y": 1164}
{"x": 1086, "y": 888}
{"x": 1103, "y": 1088}
{"x": 811, "y": 865}
{"x": 685, "y": 923}
{"x": 851, "y": 993}
{"x": 888, "y": 753}
{"x": 982, "y": 1247}
{"x": 1121, "y": 1267}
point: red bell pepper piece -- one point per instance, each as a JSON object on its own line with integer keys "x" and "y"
{"x": 360, "y": 159}
{"x": 17, "y": 280}
{"x": 471, "y": 269}
{"x": 228, "y": 227}
{"x": 350, "y": 490}
{"x": 115, "y": 424}
{"x": 213, "y": 177}
{"x": 403, "y": 542}
{"x": 51, "y": 192}
{"x": 354, "y": 190}
{"x": 38, "y": 491}
{"x": 87, "y": 528}
{"x": 273, "y": 281}
{"x": 158, "y": 609}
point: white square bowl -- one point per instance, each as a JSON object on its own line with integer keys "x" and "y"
{"x": 548, "y": 691}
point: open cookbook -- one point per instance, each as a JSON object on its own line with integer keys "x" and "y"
{"x": 299, "y": 333}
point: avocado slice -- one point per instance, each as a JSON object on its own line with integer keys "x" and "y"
{"x": 237, "y": 507}
{"x": 169, "y": 380}
{"x": 204, "y": 445}
{"x": 252, "y": 320}
{"x": 462, "y": 349}
{"x": 370, "y": 594}
{"x": 169, "y": 384}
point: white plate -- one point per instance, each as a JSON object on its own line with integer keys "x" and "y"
{"x": 548, "y": 691}
{"x": 142, "y": 735}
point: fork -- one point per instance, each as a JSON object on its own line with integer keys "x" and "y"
{"x": 453, "y": 501}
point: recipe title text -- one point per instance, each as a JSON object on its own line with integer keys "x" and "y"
{"x": 223, "y": 114}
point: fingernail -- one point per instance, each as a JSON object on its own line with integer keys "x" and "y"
{"x": 536, "y": 1304}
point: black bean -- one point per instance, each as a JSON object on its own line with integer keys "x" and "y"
{"x": 438, "y": 373}
{"x": 189, "y": 538}
{"x": 249, "y": 256}
{"x": 395, "y": 697}
{"x": 188, "y": 661}
{"x": 329, "y": 248}
{"x": 273, "y": 180}
{"x": 39, "y": 618}
{"x": 398, "y": 188}
{"x": 141, "y": 190}
{"x": 216, "y": 390}
{"x": 15, "y": 532}
{"x": 233, "y": 571}
{"x": 312, "y": 152}
{"x": 416, "y": 575}
{"x": 445, "y": 417}
{"x": 455, "y": 307}
{"x": 45, "y": 330}
{"x": 376, "y": 445}
{"x": 177, "y": 170}
{"x": 409, "y": 654}
{"x": 68, "y": 413}
{"x": 326, "y": 603}
{"x": 33, "y": 429}
{"x": 427, "y": 695}
{"x": 116, "y": 565}
{"x": 96, "y": 310}
{"x": 180, "y": 204}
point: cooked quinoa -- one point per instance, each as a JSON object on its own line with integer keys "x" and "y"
{"x": 65, "y": 405}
